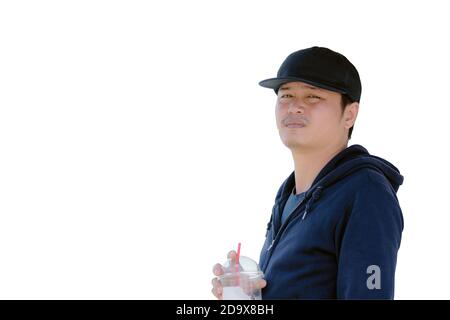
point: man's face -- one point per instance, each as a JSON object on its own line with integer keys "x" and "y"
{"x": 311, "y": 117}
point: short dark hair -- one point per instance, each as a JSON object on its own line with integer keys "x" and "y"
{"x": 345, "y": 100}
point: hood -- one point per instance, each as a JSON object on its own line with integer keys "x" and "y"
{"x": 349, "y": 160}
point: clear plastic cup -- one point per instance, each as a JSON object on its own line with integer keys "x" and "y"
{"x": 241, "y": 282}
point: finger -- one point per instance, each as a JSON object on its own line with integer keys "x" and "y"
{"x": 217, "y": 289}
{"x": 216, "y": 283}
{"x": 218, "y": 296}
{"x": 262, "y": 283}
{"x": 218, "y": 269}
{"x": 232, "y": 255}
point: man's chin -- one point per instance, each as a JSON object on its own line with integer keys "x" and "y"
{"x": 295, "y": 144}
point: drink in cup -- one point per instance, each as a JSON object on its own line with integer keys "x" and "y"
{"x": 240, "y": 279}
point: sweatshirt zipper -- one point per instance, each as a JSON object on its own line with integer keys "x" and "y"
{"x": 271, "y": 244}
{"x": 277, "y": 237}
{"x": 283, "y": 226}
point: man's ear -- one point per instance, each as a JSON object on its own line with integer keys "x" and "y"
{"x": 350, "y": 114}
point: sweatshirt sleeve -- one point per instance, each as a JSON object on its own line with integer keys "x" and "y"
{"x": 369, "y": 241}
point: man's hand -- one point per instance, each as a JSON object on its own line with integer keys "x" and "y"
{"x": 217, "y": 289}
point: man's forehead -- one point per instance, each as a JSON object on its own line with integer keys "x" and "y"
{"x": 298, "y": 84}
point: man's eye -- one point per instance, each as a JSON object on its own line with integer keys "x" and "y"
{"x": 285, "y": 95}
{"x": 313, "y": 96}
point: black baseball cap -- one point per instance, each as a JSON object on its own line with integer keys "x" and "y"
{"x": 320, "y": 67}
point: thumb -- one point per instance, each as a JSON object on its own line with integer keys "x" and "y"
{"x": 232, "y": 255}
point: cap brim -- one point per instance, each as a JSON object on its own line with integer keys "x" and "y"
{"x": 275, "y": 83}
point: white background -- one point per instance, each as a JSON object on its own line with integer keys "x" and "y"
{"x": 137, "y": 148}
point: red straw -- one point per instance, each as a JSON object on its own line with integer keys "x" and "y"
{"x": 237, "y": 260}
{"x": 238, "y": 253}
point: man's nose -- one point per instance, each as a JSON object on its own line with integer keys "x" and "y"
{"x": 296, "y": 107}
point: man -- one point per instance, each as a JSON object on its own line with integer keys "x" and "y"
{"x": 336, "y": 225}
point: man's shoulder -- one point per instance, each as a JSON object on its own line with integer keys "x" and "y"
{"x": 366, "y": 178}
{"x": 363, "y": 183}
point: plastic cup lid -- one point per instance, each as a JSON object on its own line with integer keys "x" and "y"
{"x": 245, "y": 265}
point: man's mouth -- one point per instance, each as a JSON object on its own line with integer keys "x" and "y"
{"x": 295, "y": 126}
{"x": 294, "y": 123}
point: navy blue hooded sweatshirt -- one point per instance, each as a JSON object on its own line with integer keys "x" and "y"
{"x": 341, "y": 242}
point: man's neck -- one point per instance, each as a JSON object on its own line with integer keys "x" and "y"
{"x": 308, "y": 164}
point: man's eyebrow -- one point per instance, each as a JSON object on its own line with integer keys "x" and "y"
{"x": 284, "y": 88}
